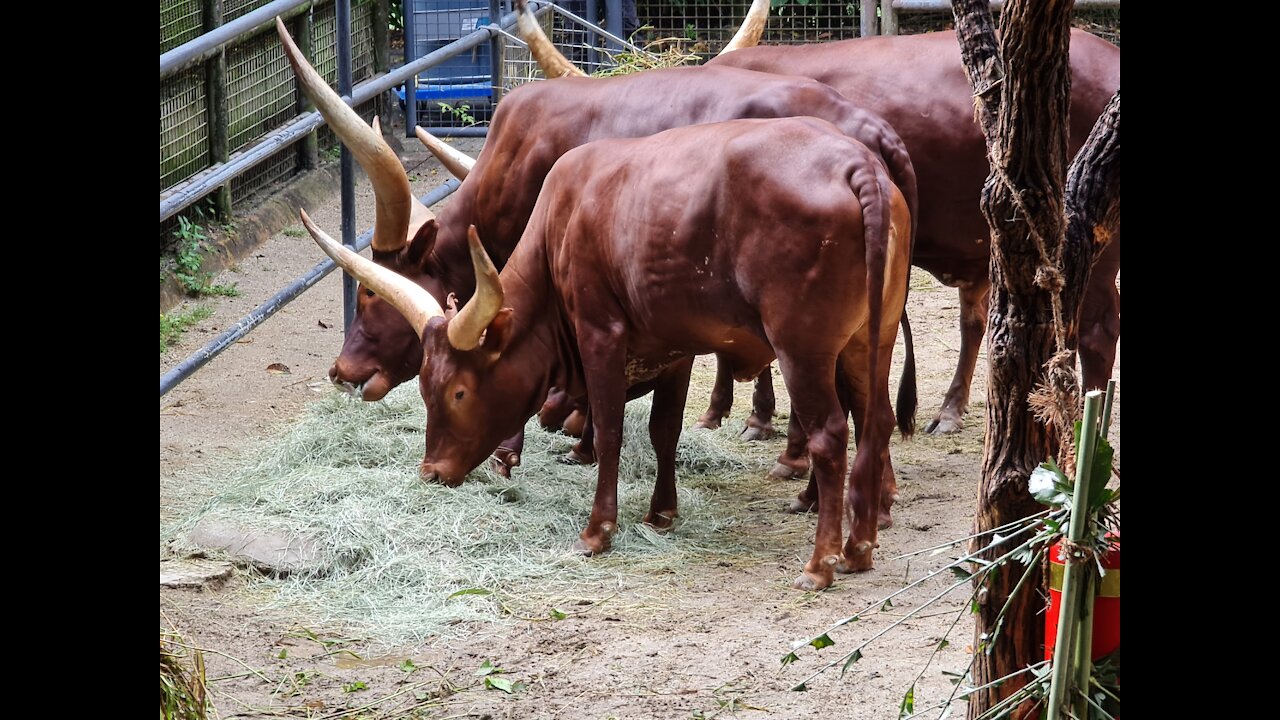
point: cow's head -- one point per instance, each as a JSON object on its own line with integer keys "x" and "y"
{"x": 554, "y": 64}
{"x": 381, "y": 349}
{"x": 473, "y": 401}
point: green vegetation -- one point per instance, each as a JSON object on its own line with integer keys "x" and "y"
{"x": 188, "y": 261}
{"x": 173, "y": 325}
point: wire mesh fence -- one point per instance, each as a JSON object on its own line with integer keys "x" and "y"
{"x": 184, "y": 130}
{"x": 180, "y": 21}
{"x": 261, "y": 94}
{"x": 260, "y": 89}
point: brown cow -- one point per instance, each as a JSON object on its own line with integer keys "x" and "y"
{"x": 917, "y": 83}
{"x": 753, "y": 239}
{"x": 499, "y": 191}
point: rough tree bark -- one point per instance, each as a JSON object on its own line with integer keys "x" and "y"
{"x": 1039, "y": 271}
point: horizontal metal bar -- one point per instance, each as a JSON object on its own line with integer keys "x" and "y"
{"x": 228, "y": 337}
{"x": 208, "y": 44}
{"x": 216, "y": 176}
{"x": 940, "y": 5}
{"x": 463, "y": 132}
{"x": 174, "y": 200}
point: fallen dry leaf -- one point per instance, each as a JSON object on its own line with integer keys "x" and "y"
{"x": 322, "y": 324}
{"x": 278, "y": 368}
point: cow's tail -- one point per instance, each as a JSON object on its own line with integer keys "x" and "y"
{"x": 872, "y": 187}
{"x": 904, "y": 176}
{"x": 907, "y": 391}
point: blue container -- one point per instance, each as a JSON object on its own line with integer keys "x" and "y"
{"x": 437, "y": 23}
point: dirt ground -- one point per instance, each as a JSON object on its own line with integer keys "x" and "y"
{"x": 711, "y": 648}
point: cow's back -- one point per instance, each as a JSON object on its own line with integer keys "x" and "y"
{"x": 539, "y": 122}
{"x": 917, "y": 83}
{"x": 693, "y": 231}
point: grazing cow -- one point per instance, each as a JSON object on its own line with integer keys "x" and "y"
{"x": 753, "y": 239}
{"x": 501, "y": 186}
{"x": 917, "y": 83}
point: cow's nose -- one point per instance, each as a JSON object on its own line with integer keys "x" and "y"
{"x": 333, "y": 375}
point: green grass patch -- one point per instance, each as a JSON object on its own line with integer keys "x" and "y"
{"x": 172, "y": 325}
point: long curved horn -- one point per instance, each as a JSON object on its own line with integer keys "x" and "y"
{"x": 752, "y": 27}
{"x": 415, "y": 303}
{"x": 553, "y": 64}
{"x": 397, "y": 208}
{"x": 454, "y": 160}
{"x": 465, "y": 327}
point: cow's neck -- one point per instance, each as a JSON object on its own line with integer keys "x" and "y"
{"x": 542, "y": 352}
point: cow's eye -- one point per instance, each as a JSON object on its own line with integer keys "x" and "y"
{"x": 368, "y": 292}
{"x": 458, "y": 395}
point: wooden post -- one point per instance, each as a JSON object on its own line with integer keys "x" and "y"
{"x": 867, "y": 19}
{"x": 888, "y": 18}
{"x": 215, "y": 75}
{"x": 308, "y": 147}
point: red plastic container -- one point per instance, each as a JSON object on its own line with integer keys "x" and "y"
{"x": 1106, "y": 605}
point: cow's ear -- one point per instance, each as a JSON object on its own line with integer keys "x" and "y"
{"x": 421, "y": 245}
{"x": 498, "y": 335}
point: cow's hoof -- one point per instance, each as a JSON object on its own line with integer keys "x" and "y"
{"x": 811, "y": 582}
{"x": 754, "y": 433}
{"x": 856, "y": 559}
{"x": 798, "y": 506}
{"x": 786, "y": 472}
{"x": 706, "y": 424}
{"x": 944, "y": 426}
{"x": 590, "y": 546}
{"x": 661, "y": 521}
{"x": 504, "y": 460}
{"x": 884, "y": 518}
{"x": 573, "y": 457}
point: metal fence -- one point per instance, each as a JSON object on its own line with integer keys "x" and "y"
{"x": 253, "y": 73}
{"x": 216, "y": 108}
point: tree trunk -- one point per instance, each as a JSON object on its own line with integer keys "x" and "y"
{"x": 1023, "y": 202}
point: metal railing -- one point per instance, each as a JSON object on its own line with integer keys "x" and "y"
{"x": 223, "y": 90}
{"x": 574, "y": 34}
{"x": 286, "y": 136}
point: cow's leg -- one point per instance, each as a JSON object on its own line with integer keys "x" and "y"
{"x": 811, "y": 384}
{"x": 793, "y": 463}
{"x": 760, "y": 421}
{"x": 1100, "y": 319}
{"x": 872, "y": 488}
{"x": 721, "y": 397}
{"x": 973, "y": 325}
{"x": 853, "y": 383}
{"x": 555, "y": 409}
{"x": 507, "y": 455}
{"x": 584, "y": 451}
{"x": 603, "y": 348}
{"x": 576, "y": 423}
{"x": 666, "y": 419}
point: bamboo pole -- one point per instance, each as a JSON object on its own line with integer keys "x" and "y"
{"x": 1073, "y": 590}
{"x": 1106, "y": 408}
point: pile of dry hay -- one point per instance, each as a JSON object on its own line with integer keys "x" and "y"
{"x": 394, "y": 549}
